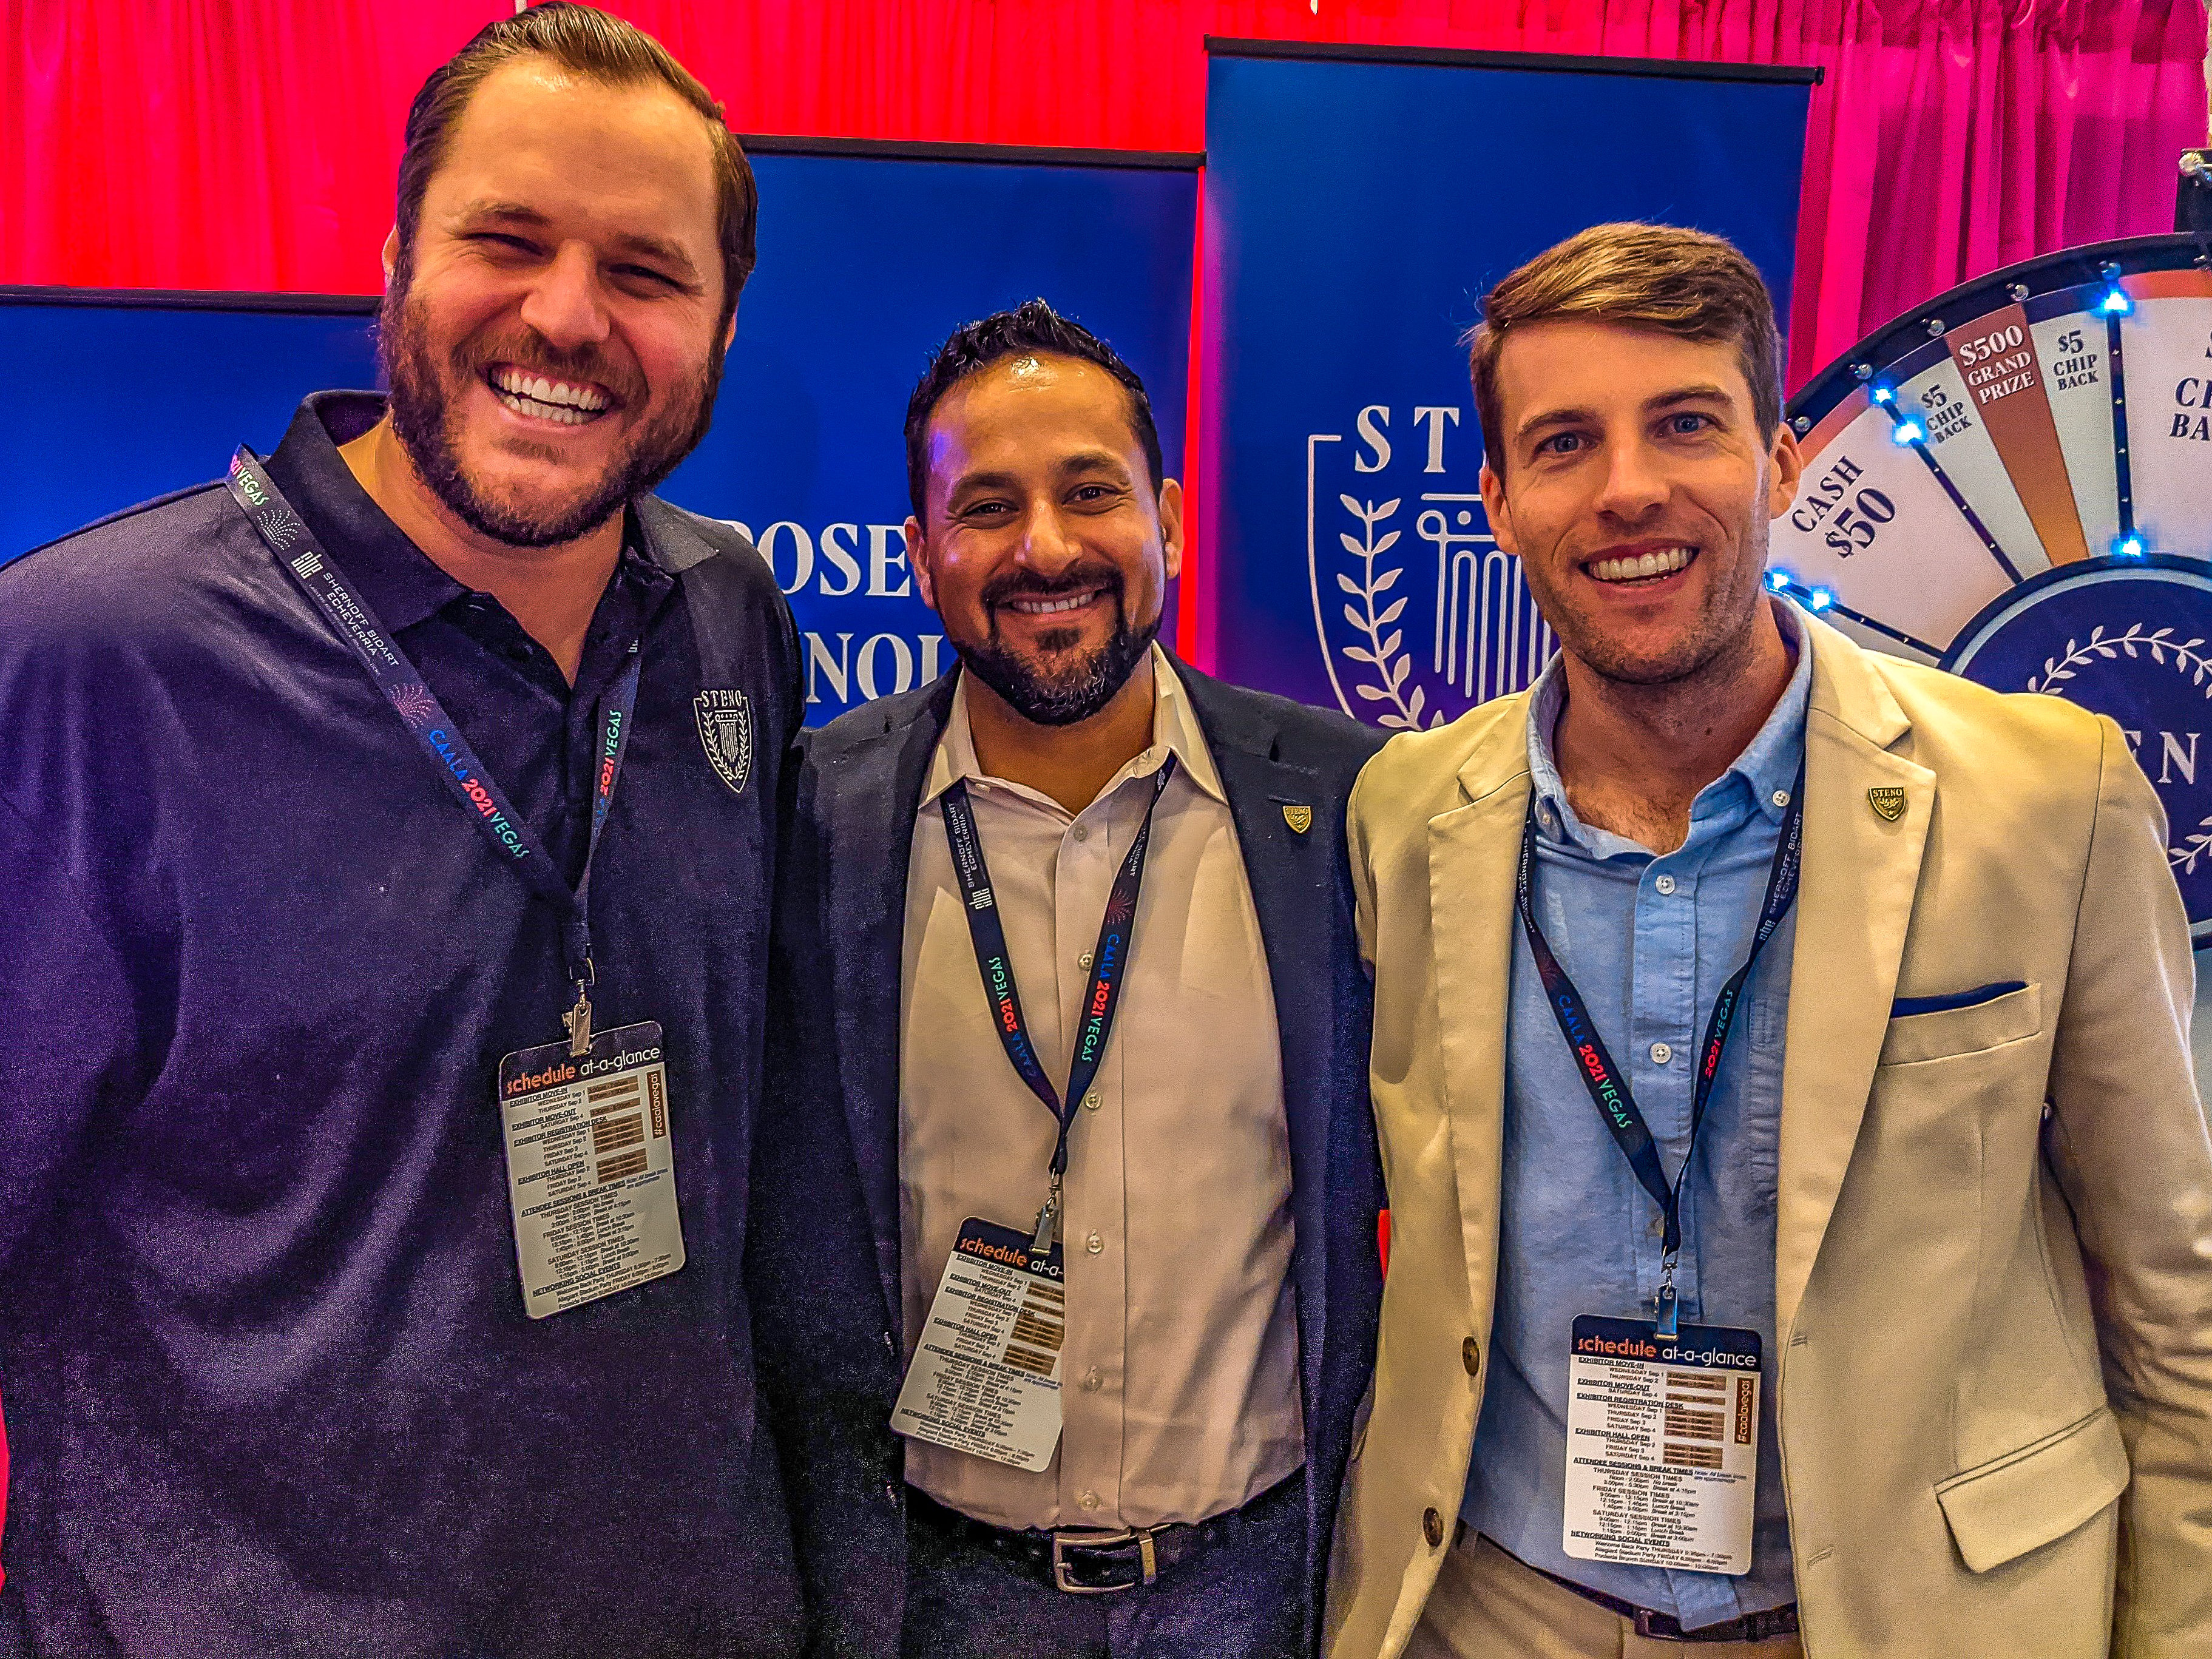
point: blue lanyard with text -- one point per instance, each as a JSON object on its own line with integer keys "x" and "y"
{"x": 1108, "y": 964}
{"x": 1608, "y": 1085}
{"x": 297, "y": 548}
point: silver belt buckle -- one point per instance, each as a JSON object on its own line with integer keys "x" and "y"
{"x": 1061, "y": 1542}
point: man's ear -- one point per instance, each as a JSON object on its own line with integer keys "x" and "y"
{"x": 730, "y": 333}
{"x": 1500, "y": 515}
{"x": 918, "y": 561}
{"x": 390, "y": 256}
{"x": 1170, "y": 506}
{"x": 1785, "y": 466}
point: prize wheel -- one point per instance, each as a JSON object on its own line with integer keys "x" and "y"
{"x": 2014, "y": 483}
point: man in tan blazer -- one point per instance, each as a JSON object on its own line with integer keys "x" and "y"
{"x": 1950, "y": 1207}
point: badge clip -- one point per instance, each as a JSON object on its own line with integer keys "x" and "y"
{"x": 1048, "y": 1223}
{"x": 578, "y": 1018}
{"x": 1669, "y": 1327}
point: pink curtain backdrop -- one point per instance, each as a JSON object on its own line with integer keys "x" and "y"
{"x": 251, "y": 143}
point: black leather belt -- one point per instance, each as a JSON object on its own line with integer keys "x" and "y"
{"x": 1762, "y": 1626}
{"x": 1082, "y": 1562}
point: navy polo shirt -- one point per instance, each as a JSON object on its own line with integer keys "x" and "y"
{"x": 268, "y": 1383}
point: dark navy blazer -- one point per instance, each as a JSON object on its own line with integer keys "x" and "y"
{"x": 825, "y": 1240}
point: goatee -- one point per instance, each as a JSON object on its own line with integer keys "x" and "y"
{"x": 1086, "y": 683}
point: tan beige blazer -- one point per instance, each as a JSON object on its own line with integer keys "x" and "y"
{"x": 1993, "y": 1317}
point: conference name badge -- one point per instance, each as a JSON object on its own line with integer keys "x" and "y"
{"x": 985, "y": 1378}
{"x": 1662, "y": 1446}
{"x": 591, "y": 1168}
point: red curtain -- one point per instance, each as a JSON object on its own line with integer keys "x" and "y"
{"x": 251, "y": 143}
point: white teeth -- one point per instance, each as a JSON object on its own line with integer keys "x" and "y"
{"x": 1047, "y": 607}
{"x": 544, "y": 394}
{"x": 1636, "y": 567}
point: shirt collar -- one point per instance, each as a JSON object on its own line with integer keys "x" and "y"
{"x": 400, "y": 583}
{"x": 1176, "y": 731}
{"x": 1766, "y": 769}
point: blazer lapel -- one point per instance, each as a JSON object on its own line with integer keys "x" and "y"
{"x": 870, "y": 792}
{"x": 1473, "y": 853}
{"x": 1861, "y": 870}
{"x": 1290, "y": 876}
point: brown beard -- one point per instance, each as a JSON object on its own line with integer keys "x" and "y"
{"x": 426, "y": 418}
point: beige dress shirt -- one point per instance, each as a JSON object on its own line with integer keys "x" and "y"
{"x": 1179, "y": 1374}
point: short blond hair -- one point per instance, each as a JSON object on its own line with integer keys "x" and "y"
{"x": 1688, "y": 283}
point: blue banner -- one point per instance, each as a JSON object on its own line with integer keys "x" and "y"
{"x": 866, "y": 263}
{"x": 1357, "y": 206}
{"x": 869, "y": 257}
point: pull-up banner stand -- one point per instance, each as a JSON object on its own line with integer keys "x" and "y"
{"x": 1359, "y": 203}
{"x": 870, "y": 255}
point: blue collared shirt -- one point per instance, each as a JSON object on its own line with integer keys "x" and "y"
{"x": 1649, "y": 941}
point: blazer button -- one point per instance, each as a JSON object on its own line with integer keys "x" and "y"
{"x": 1470, "y": 1354}
{"x": 1432, "y": 1528}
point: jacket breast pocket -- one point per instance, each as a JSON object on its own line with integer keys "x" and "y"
{"x": 1965, "y": 1030}
{"x": 2001, "y": 1510}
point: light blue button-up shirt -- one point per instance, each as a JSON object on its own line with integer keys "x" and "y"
{"x": 1649, "y": 941}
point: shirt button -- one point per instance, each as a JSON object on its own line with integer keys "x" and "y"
{"x": 1090, "y": 1100}
{"x": 1094, "y": 1244}
{"x": 1432, "y": 1528}
{"x": 1089, "y": 1500}
{"x": 1092, "y": 1381}
{"x": 1083, "y": 832}
{"x": 1661, "y": 1053}
{"x": 1084, "y": 961}
{"x": 1665, "y": 884}
{"x": 1544, "y": 816}
{"x": 1782, "y": 797}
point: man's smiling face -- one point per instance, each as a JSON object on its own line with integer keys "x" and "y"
{"x": 1637, "y": 494}
{"x": 551, "y": 336}
{"x": 1047, "y": 551}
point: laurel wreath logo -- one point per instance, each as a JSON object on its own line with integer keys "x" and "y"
{"x": 2186, "y": 655}
{"x": 1384, "y": 650}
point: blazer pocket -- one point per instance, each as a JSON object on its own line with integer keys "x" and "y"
{"x": 2001, "y": 1510}
{"x": 1979, "y": 1025}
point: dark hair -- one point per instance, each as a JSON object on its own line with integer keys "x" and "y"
{"x": 1688, "y": 283}
{"x": 589, "y": 43}
{"x": 1032, "y": 329}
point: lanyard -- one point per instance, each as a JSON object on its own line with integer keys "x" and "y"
{"x": 1608, "y": 1085}
{"x": 1108, "y": 962}
{"x": 297, "y": 548}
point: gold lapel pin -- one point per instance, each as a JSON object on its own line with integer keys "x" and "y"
{"x": 1300, "y": 818}
{"x": 1889, "y": 803}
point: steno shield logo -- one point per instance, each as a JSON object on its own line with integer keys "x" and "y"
{"x": 725, "y": 733}
{"x": 1415, "y": 628}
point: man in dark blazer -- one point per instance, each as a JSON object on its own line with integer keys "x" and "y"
{"x": 1067, "y": 1255}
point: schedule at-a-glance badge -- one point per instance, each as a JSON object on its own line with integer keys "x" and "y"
{"x": 1662, "y": 1446}
{"x": 591, "y": 1168}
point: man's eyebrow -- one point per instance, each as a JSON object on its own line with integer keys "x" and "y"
{"x": 972, "y": 481}
{"x": 632, "y": 242}
{"x": 1687, "y": 394}
{"x": 1545, "y": 417}
{"x": 1093, "y": 460}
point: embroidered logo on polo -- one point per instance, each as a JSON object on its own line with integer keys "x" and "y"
{"x": 725, "y": 733}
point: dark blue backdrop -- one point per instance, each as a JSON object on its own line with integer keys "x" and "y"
{"x": 868, "y": 257}
{"x": 1356, "y": 207}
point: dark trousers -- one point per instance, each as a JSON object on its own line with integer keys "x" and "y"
{"x": 1242, "y": 1595}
